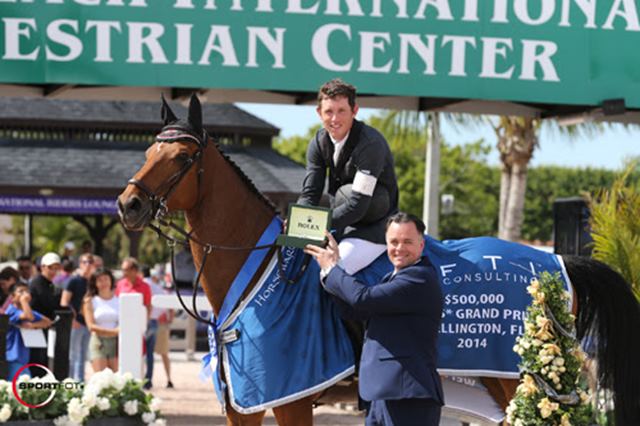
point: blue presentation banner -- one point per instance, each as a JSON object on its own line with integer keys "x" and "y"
{"x": 484, "y": 284}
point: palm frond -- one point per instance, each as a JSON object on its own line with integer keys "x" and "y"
{"x": 616, "y": 230}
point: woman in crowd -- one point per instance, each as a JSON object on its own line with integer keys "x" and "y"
{"x": 101, "y": 310}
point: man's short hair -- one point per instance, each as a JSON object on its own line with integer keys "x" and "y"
{"x": 402, "y": 217}
{"x": 133, "y": 262}
{"x": 335, "y": 88}
{"x": 24, "y": 258}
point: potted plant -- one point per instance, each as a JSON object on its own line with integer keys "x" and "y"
{"x": 106, "y": 398}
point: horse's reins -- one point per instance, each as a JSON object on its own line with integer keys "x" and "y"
{"x": 171, "y": 134}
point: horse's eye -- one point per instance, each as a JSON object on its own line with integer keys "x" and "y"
{"x": 183, "y": 157}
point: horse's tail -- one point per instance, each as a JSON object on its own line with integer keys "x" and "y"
{"x": 609, "y": 315}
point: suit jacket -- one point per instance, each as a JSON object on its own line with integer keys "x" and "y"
{"x": 403, "y": 315}
{"x": 365, "y": 150}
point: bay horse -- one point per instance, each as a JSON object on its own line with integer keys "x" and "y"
{"x": 185, "y": 170}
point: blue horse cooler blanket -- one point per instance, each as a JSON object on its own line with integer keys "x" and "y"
{"x": 484, "y": 284}
{"x": 285, "y": 341}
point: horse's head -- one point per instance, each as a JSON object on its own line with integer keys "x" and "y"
{"x": 168, "y": 180}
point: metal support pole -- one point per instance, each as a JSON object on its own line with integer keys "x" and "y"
{"x": 59, "y": 364}
{"x": 190, "y": 337}
{"x": 28, "y": 235}
{"x": 431, "y": 206}
{"x": 4, "y": 328}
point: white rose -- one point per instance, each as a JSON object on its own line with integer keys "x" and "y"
{"x": 5, "y": 413}
{"x": 103, "y": 404}
{"x": 96, "y": 383}
{"x": 155, "y": 404}
{"x": 148, "y": 417}
{"x": 131, "y": 407}
{"x": 89, "y": 399}
{"x": 159, "y": 422}
{"x": 77, "y": 411}
{"x": 119, "y": 382}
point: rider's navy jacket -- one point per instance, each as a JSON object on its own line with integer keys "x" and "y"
{"x": 365, "y": 150}
{"x": 402, "y": 315}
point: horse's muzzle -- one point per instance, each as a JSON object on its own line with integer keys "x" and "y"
{"x": 134, "y": 212}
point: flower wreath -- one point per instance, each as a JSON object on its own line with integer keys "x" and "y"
{"x": 552, "y": 388}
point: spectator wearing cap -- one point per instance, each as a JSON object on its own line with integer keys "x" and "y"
{"x": 45, "y": 299}
{"x": 72, "y": 297}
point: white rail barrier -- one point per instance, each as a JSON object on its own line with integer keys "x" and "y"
{"x": 133, "y": 324}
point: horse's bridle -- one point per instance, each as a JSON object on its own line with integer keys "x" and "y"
{"x": 172, "y": 134}
{"x": 159, "y": 210}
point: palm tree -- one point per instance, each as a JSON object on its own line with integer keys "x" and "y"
{"x": 616, "y": 230}
{"x": 517, "y": 139}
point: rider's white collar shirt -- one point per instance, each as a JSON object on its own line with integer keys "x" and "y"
{"x": 337, "y": 147}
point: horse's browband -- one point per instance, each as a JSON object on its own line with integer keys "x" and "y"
{"x": 176, "y": 133}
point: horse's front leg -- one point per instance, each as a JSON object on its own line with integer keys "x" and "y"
{"x": 296, "y": 413}
{"x": 236, "y": 419}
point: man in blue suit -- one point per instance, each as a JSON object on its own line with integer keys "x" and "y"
{"x": 402, "y": 313}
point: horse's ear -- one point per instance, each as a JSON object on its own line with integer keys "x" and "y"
{"x": 195, "y": 114}
{"x": 167, "y": 115}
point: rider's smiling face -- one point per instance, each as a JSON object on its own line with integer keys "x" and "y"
{"x": 337, "y": 116}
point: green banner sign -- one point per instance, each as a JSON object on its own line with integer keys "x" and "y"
{"x": 551, "y": 51}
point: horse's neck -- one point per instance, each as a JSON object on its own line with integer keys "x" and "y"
{"x": 229, "y": 213}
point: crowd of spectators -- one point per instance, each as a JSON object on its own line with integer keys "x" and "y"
{"x": 31, "y": 294}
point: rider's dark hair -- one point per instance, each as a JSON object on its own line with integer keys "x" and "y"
{"x": 402, "y": 217}
{"x": 335, "y": 88}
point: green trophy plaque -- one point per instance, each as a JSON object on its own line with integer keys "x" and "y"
{"x": 305, "y": 225}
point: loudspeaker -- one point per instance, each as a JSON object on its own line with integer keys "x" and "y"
{"x": 571, "y": 230}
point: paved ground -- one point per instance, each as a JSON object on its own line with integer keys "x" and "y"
{"x": 192, "y": 402}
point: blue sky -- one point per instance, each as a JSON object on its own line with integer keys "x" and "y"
{"x": 607, "y": 150}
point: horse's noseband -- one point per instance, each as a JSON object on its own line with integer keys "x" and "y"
{"x": 171, "y": 134}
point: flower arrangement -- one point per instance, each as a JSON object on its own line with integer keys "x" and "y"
{"x": 106, "y": 394}
{"x": 552, "y": 388}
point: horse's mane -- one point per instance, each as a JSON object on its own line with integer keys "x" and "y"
{"x": 247, "y": 181}
{"x": 608, "y": 314}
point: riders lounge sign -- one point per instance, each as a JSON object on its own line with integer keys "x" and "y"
{"x": 555, "y": 51}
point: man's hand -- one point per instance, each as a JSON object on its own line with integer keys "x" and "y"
{"x": 25, "y": 298}
{"x": 326, "y": 257}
